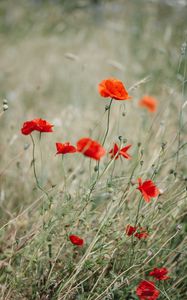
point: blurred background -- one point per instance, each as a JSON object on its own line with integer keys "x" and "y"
{"x": 54, "y": 54}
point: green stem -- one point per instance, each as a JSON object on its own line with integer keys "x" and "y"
{"x": 181, "y": 108}
{"x": 138, "y": 211}
{"x": 106, "y": 133}
{"x": 41, "y": 157}
{"x": 48, "y": 197}
{"x": 136, "y": 222}
{"x": 34, "y": 169}
{"x": 108, "y": 122}
{"x": 63, "y": 171}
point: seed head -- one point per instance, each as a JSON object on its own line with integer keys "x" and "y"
{"x": 183, "y": 48}
{"x": 26, "y": 146}
{"x": 96, "y": 168}
{"x": 5, "y": 101}
{"x": 149, "y": 252}
{"x": 107, "y": 107}
{"x": 179, "y": 227}
{"x": 5, "y": 107}
{"x": 164, "y": 145}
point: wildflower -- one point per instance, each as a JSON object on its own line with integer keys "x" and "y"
{"x": 43, "y": 125}
{"x": 130, "y": 230}
{"x": 159, "y": 273}
{"x": 148, "y": 189}
{"x": 76, "y": 240}
{"x": 146, "y": 291}
{"x": 28, "y": 127}
{"x": 90, "y": 148}
{"x": 65, "y": 148}
{"x": 36, "y": 124}
{"x": 116, "y": 152}
{"x": 141, "y": 233}
{"x": 113, "y": 88}
{"x": 149, "y": 102}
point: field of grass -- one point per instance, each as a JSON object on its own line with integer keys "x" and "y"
{"x": 53, "y": 56}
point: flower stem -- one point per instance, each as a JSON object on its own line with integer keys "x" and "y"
{"x": 138, "y": 212}
{"x": 63, "y": 171}
{"x": 108, "y": 122}
{"x": 34, "y": 170}
{"x": 132, "y": 240}
{"x": 106, "y": 133}
{"x": 48, "y": 197}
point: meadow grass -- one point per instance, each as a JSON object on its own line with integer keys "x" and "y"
{"x": 53, "y": 57}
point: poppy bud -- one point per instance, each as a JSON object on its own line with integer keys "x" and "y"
{"x": 179, "y": 227}
{"x": 141, "y": 162}
{"x": 124, "y": 141}
{"x": 5, "y": 102}
{"x": 5, "y": 107}
{"x": 110, "y": 190}
{"x": 149, "y": 252}
{"x": 139, "y": 144}
{"x": 183, "y": 48}
{"x": 164, "y": 145}
{"x": 96, "y": 168}
{"x": 120, "y": 137}
{"x": 123, "y": 114}
{"x": 161, "y": 192}
{"x": 26, "y": 146}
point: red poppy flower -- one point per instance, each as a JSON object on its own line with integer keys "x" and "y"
{"x": 28, "y": 127}
{"x": 36, "y": 124}
{"x": 65, "y": 148}
{"x": 150, "y": 103}
{"x": 148, "y": 189}
{"x": 90, "y": 148}
{"x": 146, "y": 291}
{"x": 76, "y": 240}
{"x": 130, "y": 230}
{"x": 141, "y": 233}
{"x": 122, "y": 152}
{"x": 159, "y": 273}
{"x": 113, "y": 88}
